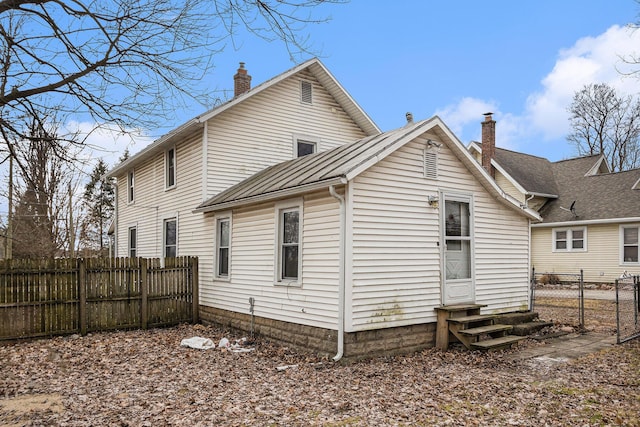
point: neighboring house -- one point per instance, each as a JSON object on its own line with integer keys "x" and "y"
{"x": 590, "y": 216}
{"x": 298, "y": 112}
{"x": 356, "y": 246}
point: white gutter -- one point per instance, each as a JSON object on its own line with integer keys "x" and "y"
{"x": 586, "y": 222}
{"x": 341, "y": 275}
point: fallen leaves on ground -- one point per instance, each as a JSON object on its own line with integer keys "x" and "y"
{"x": 144, "y": 378}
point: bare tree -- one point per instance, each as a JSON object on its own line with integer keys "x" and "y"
{"x": 127, "y": 63}
{"x": 40, "y": 227}
{"x": 605, "y": 122}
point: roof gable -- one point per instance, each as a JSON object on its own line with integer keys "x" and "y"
{"x": 314, "y": 66}
{"x": 342, "y": 164}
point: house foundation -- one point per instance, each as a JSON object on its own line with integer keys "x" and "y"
{"x": 310, "y": 339}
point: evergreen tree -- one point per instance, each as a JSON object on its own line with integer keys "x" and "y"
{"x": 98, "y": 202}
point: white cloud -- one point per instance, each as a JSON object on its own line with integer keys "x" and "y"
{"x": 458, "y": 116}
{"x": 107, "y": 143}
{"x": 589, "y": 60}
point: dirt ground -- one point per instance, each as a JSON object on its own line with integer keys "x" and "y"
{"x": 145, "y": 378}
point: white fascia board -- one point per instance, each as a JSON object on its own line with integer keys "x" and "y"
{"x": 587, "y": 222}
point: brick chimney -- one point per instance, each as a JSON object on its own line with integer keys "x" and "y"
{"x": 241, "y": 81}
{"x": 488, "y": 143}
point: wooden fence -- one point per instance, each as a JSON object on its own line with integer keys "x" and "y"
{"x": 67, "y": 296}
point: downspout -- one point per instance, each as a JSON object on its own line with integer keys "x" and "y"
{"x": 115, "y": 226}
{"x": 341, "y": 274}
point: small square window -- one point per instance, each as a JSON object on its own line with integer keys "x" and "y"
{"x": 305, "y": 147}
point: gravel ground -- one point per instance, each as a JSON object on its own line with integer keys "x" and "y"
{"x": 144, "y": 378}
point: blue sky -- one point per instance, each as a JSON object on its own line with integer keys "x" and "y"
{"x": 521, "y": 60}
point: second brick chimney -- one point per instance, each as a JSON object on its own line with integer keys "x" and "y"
{"x": 241, "y": 81}
{"x": 488, "y": 143}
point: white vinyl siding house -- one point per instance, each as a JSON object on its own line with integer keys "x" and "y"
{"x": 220, "y": 148}
{"x": 393, "y": 235}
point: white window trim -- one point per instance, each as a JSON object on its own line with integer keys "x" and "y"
{"x": 621, "y": 244}
{"x": 570, "y": 239}
{"x": 131, "y": 187}
{"x": 166, "y": 168}
{"x": 302, "y": 82}
{"x": 306, "y": 138}
{"x": 298, "y": 204}
{"x": 164, "y": 235}
{"x": 223, "y": 216}
{"x": 133, "y": 227}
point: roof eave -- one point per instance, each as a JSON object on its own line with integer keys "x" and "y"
{"x": 274, "y": 195}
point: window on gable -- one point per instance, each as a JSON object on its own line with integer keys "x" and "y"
{"x": 289, "y": 238}
{"x": 223, "y": 246}
{"x": 630, "y": 244}
{"x": 170, "y": 168}
{"x": 306, "y": 92}
{"x": 570, "y": 239}
{"x": 431, "y": 163}
{"x": 130, "y": 187}
{"x": 170, "y": 238}
{"x": 133, "y": 242}
{"x": 304, "y": 148}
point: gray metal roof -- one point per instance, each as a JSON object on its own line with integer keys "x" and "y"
{"x": 314, "y": 65}
{"x": 343, "y": 163}
{"x": 321, "y": 169}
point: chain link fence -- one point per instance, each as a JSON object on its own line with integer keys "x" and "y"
{"x": 628, "y": 308}
{"x": 558, "y": 298}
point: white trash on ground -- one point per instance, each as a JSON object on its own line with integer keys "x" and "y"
{"x": 199, "y": 343}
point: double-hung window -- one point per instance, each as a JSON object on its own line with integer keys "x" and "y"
{"x": 223, "y": 246}
{"x": 289, "y": 239}
{"x": 130, "y": 187}
{"x": 170, "y": 238}
{"x": 170, "y": 167}
{"x": 570, "y": 239}
{"x": 133, "y": 242}
{"x": 629, "y": 239}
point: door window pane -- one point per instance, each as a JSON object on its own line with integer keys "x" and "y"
{"x": 170, "y": 238}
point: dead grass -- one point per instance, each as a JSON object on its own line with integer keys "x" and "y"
{"x": 144, "y": 378}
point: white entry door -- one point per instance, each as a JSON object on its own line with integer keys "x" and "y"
{"x": 457, "y": 225}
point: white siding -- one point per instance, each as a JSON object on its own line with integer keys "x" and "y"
{"x": 395, "y": 275}
{"x": 250, "y": 136}
{"x": 253, "y": 261}
{"x": 245, "y": 140}
{"x": 601, "y": 261}
{"x": 153, "y": 203}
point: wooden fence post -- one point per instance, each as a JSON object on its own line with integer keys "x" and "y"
{"x": 144, "y": 293}
{"x": 195, "y": 289}
{"x": 82, "y": 295}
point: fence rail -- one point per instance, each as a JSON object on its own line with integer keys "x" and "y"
{"x": 66, "y": 296}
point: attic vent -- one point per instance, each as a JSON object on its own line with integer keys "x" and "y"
{"x": 431, "y": 163}
{"x": 306, "y": 92}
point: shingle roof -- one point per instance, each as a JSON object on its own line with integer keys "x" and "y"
{"x": 533, "y": 173}
{"x": 597, "y": 197}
